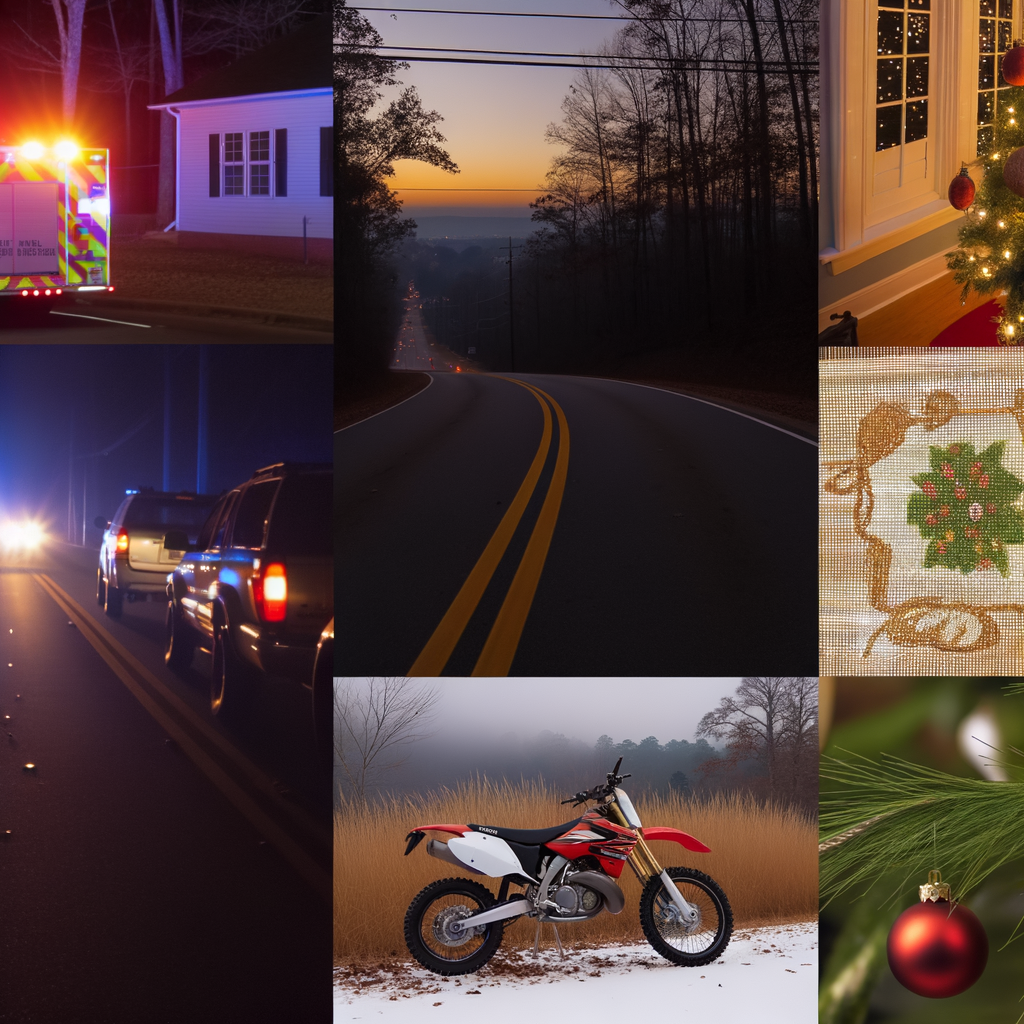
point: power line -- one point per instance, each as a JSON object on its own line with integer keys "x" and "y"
{"x": 777, "y": 68}
{"x": 456, "y": 189}
{"x": 576, "y": 17}
{"x": 674, "y": 61}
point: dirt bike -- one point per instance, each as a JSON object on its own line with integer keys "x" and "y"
{"x": 455, "y": 925}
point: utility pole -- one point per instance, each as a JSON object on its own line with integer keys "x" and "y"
{"x": 511, "y": 332}
{"x": 201, "y": 449}
{"x": 167, "y": 419}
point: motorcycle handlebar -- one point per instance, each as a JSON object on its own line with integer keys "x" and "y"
{"x": 599, "y": 792}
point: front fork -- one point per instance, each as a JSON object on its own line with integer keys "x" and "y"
{"x": 642, "y": 861}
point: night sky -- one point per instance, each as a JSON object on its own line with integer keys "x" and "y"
{"x": 266, "y": 404}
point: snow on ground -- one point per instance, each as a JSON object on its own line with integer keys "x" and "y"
{"x": 765, "y": 975}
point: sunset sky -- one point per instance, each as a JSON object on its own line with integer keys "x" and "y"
{"x": 494, "y": 116}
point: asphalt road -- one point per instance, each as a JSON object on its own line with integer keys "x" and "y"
{"x": 662, "y": 536}
{"x": 149, "y": 859}
{"x": 89, "y": 325}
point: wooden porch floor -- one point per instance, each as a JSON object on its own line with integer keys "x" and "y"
{"x": 917, "y": 318}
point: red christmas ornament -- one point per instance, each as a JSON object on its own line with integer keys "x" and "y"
{"x": 937, "y": 948}
{"x": 1013, "y": 64}
{"x": 961, "y": 188}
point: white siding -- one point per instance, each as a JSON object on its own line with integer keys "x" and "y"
{"x": 303, "y": 116}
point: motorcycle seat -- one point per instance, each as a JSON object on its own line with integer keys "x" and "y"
{"x": 526, "y": 836}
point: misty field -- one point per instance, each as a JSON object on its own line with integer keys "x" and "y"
{"x": 765, "y": 858}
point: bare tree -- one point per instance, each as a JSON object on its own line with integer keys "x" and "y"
{"x": 242, "y": 26}
{"x": 65, "y": 60}
{"x": 375, "y": 720}
{"x": 752, "y": 721}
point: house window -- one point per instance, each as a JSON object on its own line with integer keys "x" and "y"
{"x": 259, "y": 163}
{"x": 995, "y": 31}
{"x": 901, "y": 73}
{"x": 234, "y": 165}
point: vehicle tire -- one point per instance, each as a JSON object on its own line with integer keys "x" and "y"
{"x": 666, "y": 933}
{"x": 178, "y": 644}
{"x": 228, "y": 691}
{"x": 101, "y": 589}
{"x": 112, "y": 600}
{"x": 439, "y": 903}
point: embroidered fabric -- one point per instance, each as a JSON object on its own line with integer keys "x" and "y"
{"x": 921, "y": 511}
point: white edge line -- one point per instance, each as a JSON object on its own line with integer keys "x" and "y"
{"x": 430, "y": 380}
{"x": 704, "y": 401}
{"x": 106, "y": 320}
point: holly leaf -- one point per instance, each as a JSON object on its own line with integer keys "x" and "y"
{"x": 993, "y": 454}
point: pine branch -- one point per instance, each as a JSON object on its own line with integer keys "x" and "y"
{"x": 892, "y": 815}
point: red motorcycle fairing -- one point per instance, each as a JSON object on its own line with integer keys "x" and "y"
{"x": 596, "y": 836}
{"x": 673, "y": 835}
{"x": 457, "y": 829}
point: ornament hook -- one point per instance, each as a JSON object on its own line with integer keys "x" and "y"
{"x": 935, "y": 890}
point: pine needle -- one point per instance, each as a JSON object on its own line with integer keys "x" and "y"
{"x": 892, "y": 815}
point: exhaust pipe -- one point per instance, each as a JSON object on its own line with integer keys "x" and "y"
{"x": 614, "y": 899}
{"x": 440, "y": 850}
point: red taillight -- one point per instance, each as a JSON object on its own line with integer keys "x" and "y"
{"x": 122, "y": 539}
{"x": 110, "y": 288}
{"x": 58, "y": 291}
{"x": 36, "y": 292}
{"x": 270, "y": 591}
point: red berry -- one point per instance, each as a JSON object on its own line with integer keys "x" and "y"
{"x": 929, "y": 488}
{"x": 944, "y": 511}
{"x": 960, "y": 492}
{"x": 947, "y": 471}
{"x": 930, "y": 519}
{"x": 990, "y": 508}
{"x": 983, "y": 480}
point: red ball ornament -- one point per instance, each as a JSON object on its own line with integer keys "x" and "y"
{"x": 961, "y": 189}
{"x": 1013, "y": 65}
{"x": 937, "y": 948}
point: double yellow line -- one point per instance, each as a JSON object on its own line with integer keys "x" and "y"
{"x": 500, "y": 648}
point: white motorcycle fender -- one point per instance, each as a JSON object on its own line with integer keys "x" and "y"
{"x": 488, "y": 854}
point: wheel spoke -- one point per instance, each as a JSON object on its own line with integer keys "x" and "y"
{"x": 673, "y": 930}
{"x": 437, "y": 914}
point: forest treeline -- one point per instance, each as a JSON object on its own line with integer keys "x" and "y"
{"x": 681, "y": 209}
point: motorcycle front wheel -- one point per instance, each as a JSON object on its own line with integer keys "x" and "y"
{"x": 428, "y": 927}
{"x": 662, "y": 923}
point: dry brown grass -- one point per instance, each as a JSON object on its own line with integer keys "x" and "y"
{"x": 765, "y": 858}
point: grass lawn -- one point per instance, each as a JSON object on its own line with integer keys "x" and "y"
{"x": 145, "y": 269}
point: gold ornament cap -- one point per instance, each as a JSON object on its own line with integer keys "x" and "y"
{"x": 935, "y": 890}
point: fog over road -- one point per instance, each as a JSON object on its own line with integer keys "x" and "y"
{"x": 551, "y": 525}
{"x": 136, "y": 886}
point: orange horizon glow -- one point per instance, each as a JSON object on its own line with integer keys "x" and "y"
{"x": 420, "y": 185}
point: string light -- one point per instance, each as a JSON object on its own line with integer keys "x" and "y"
{"x": 981, "y": 213}
{"x": 1006, "y": 254}
{"x": 971, "y": 258}
{"x": 1001, "y": 224}
{"x": 984, "y": 270}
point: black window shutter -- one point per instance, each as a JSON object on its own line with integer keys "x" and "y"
{"x": 214, "y": 165}
{"x": 326, "y": 161}
{"x": 281, "y": 162}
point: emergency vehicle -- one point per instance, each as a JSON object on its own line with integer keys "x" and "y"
{"x": 54, "y": 220}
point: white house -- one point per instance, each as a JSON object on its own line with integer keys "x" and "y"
{"x": 254, "y": 149}
{"x": 909, "y": 91}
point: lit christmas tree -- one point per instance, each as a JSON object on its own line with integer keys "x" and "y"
{"x": 990, "y": 257}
